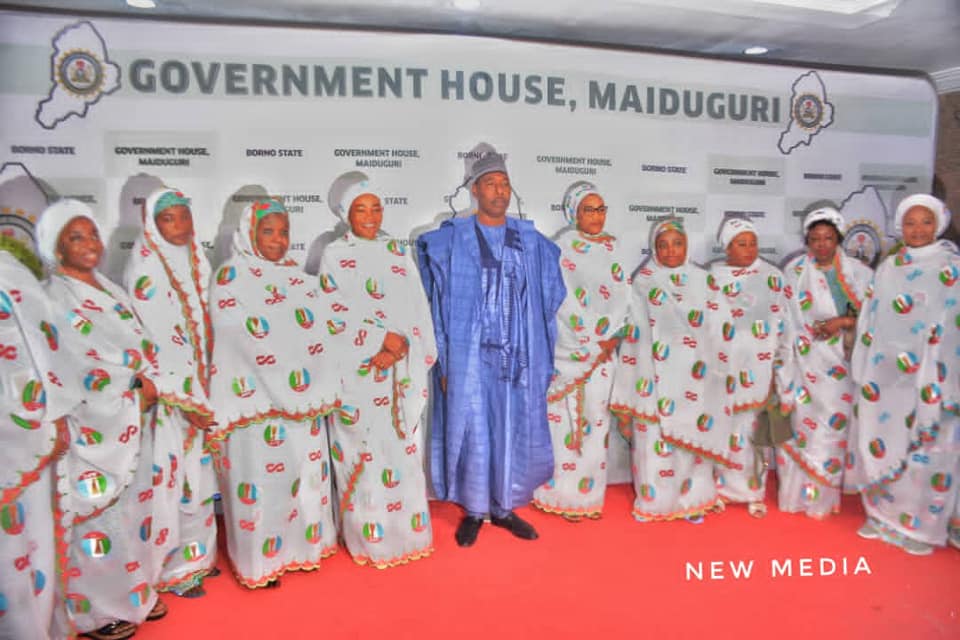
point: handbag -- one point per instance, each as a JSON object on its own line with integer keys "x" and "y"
{"x": 849, "y": 335}
{"x": 773, "y": 428}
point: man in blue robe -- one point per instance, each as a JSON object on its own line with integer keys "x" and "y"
{"x": 494, "y": 286}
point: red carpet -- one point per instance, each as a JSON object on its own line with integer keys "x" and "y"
{"x": 613, "y": 578}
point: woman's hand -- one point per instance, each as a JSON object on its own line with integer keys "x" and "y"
{"x": 199, "y": 420}
{"x": 148, "y": 393}
{"x": 63, "y": 437}
{"x": 826, "y": 329}
{"x": 607, "y": 347}
{"x": 394, "y": 349}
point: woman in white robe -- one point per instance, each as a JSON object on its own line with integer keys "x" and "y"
{"x": 907, "y": 369}
{"x": 272, "y": 385}
{"x": 827, "y": 289}
{"x": 761, "y": 357}
{"x": 378, "y": 443}
{"x": 691, "y": 327}
{"x": 589, "y": 324}
{"x": 118, "y": 480}
{"x": 167, "y": 277}
{"x": 34, "y": 396}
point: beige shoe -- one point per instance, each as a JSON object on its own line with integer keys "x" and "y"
{"x": 757, "y": 509}
{"x": 868, "y": 531}
{"x": 917, "y": 548}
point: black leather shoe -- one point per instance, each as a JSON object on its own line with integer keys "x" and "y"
{"x": 467, "y": 531}
{"x": 515, "y": 525}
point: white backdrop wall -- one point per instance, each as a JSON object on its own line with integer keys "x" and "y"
{"x": 105, "y": 110}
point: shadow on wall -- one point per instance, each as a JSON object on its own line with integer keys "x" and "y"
{"x": 462, "y": 205}
{"x": 230, "y": 221}
{"x": 22, "y": 199}
{"x": 335, "y": 194}
{"x": 133, "y": 195}
{"x": 20, "y": 191}
{"x": 461, "y": 202}
{"x": 939, "y": 190}
{"x": 315, "y": 252}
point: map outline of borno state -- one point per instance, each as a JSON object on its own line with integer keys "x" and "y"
{"x": 80, "y": 72}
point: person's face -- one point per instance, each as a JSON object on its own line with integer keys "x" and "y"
{"x": 365, "y": 216}
{"x": 671, "y": 248}
{"x": 919, "y": 227}
{"x": 176, "y": 225}
{"x": 822, "y": 240}
{"x": 79, "y": 247}
{"x": 591, "y": 214}
{"x": 273, "y": 237}
{"x": 492, "y": 191}
{"x": 742, "y": 250}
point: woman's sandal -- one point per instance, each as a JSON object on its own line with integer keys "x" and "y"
{"x": 757, "y": 509}
{"x": 116, "y": 630}
{"x": 196, "y": 591}
{"x": 213, "y": 572}
{"x": 159, "y": 610}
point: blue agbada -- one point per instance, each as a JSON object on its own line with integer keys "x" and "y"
{"x": 494, "y": 294}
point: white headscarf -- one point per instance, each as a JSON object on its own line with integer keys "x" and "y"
{"x": 52, "y": 221}
{"x": 345, "y": 189}
{"x": 670, "y": 224}
{"x": 927, "y": 202}
{"x": 178, "y": 258}
{"x": 732, "y": 227}
{"x": 823, "y": 214}
{"x": 244, "y": 238}
{"x": 574, "y": 196}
